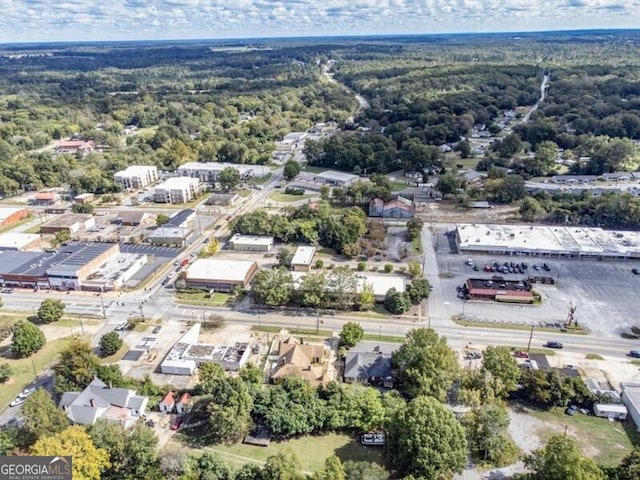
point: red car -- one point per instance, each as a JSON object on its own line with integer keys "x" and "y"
{"x": 521, "y": 354}
{"x": 177, "y": 424}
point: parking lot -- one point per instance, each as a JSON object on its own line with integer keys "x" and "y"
{"x": 604, "y": 292}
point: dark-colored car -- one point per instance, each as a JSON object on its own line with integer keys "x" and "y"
{"x": 634, "y": 353}
{"x": 156, "y": 329}
{"x": 553, "y": 344}
{"x": 635, "y": 271}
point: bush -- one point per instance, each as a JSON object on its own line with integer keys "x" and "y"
{"x": 319, "y": 264}
{"x": 294, "y": 191}
{"x": 5, "y": 372}
{"x": 388, "y": 268}
{"x": 396, "y": 302}
{"x": 362, "y": 266}
{"x": 110, "y": 343}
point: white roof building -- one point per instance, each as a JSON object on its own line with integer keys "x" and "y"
{"x": 209, "y": 171}
{"x": 381, "y": 284}
{"x": 220, "y": 275}
{"x": 631, "y": 399}
{"x": 177, "y": 190}
{"x": 543, "y": 240}
{"x": 303, "y": 258}
{"x": 17, "y": 241}
{"x": 251, "y": 242}
{"x": 333, "y": 177}
{"x": 137, "y": 176}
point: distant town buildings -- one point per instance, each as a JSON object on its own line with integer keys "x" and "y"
{"x": 137, "y": 177}
{"x": 208, "y": 172}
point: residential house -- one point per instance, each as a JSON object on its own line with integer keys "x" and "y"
{"x": 75, "y": 146}
{"x": 302, "y": 360}
{"x": 184, "y": 403}
{"x": 398, "y": 208}
{"x": 168, "y": 403}
{"x": 98, "y": 401}
{"x": 369, "y": 368}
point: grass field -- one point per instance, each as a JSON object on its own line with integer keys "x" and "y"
{"x": 260, "y": 180}
{"x": 286, "y": 198}
{"x": 604, "y": 441}
{"x": 203, "y": 298}
{"x": 116, "y": 356}
{"x": 516, "y": 326}
{"x": 23, "y": 369}
{"x": 311, "y": 450}
{"x": 245, "y": 193}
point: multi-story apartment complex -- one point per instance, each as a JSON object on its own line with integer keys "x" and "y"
{"x": 137, "y": 176}
{"x": 177, "y": 190}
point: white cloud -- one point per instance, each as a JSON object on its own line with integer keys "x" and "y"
{"x": 41, "y": 20}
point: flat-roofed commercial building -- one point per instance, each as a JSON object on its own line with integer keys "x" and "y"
{"x": 11, "y": 215}
{"x": 208, "y": 172}
{"x": 337, "y": 179}
{"x": 251, "y": 243}
{"x": 220, "y": 275}
{"x": 69, "y": 222}
{"x": 18, "y": 241}
{"x": 136, "y": 177}
{"x": 177, "y": 190}
{"x": 303, "y": 259}
{"x": 380, "y": 284}
{"x": 559, "y": 241}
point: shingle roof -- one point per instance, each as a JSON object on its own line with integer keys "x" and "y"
{"x": 362, "y": 366}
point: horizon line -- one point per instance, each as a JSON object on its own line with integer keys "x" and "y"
{"x": 320, "y": 37}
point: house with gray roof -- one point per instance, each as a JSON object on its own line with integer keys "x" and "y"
{"x": 100, "y": 401}
{"x": 370, "y": 368}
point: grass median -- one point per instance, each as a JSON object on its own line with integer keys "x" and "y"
{"x": 517, "y": 326}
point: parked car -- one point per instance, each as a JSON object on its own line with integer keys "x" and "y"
{"x": 26, "y": 392}
{"x": 571, "y": 410}
{"x": 553, "y": 344}
{"x": 634, "y": 353}
{"x": 635, "y": 271}
{"x": 177, "y": 424}
{"x": 17, "y": 401}
{"x": 521, "y": 354}
{"x": 121, "y": 326}
{"x": 536, "y": 267}
{"x": 156, "y": 329}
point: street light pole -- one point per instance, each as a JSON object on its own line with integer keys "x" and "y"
{"x": 530, "y": 337}
{"x": 104, "y": 312}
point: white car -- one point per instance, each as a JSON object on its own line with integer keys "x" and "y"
{"x": 26, "y": 392}
{"x": 17, "y": 401}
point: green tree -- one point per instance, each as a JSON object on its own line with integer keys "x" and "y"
{"x": 325, "y": 193}
{"x": 561, "y": 459}
{"x": 530, "y": 209}
{"x": 366, "y": 298}
{"x": 213, "y": 246}
{"x": 504, "y": 369}
{"x": 448, "y": 183}
{"x": 425, "y": 440}
{"x": 76, "y": 367}
{"x": 282, "y": 466}
{"x": 291, "y": 169}
{"x": 396, "y": 302}
{"x": 355, "y": 470}
{"x": 419, "y": 289}
{"x": 208, "y": 466}
{"x": 284, "y": 257}
{"x": 425, "y": 364}
{"x": 83, "y": 208}
{"x": 229, "y": 409}
{"x": 414, "y": 268}
{"x": 161, "y": 219}
{"x": 510, "y": 145}
{"x": 486, "y": 427}
{"x": 132, "y": 453}
{"x": 272, "y": 287}
{"x": 351, "y": 334}
{"x": 229, "y": 178}
{"x": 333, "y": 470}
{"x": 511, "y": 189}
{"x": 629, "y": 468}
{"x": 88, "y": 460}
{"x": 345, "y": 287}
{"x": 41, "y": 416}
{"x": 50, "y": 310}
{"x": 313, "y": 290}
{"x": 5, "y": 372}
{"x": 388, "y": 268}
{"x": 62, "y": 236}
{"x": 110, "y": 343}
{"x": 27, "y": 339}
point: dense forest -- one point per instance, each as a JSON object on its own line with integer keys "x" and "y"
{"x": 198, "y": 101}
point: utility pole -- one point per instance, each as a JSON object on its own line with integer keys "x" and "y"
{"x": 104, "y": 312}
{"x": 317, "y": 321}
{"x": 530, "y": 338}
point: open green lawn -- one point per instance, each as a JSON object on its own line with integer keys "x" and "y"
{"x": 517, "y": 326}
{"x": 245, "y": 192}
{"x": 260, "y": 180}
{"x": 604, "y": 441}
{"x": 286, "y": 198}
{"x": 312, "y": 450}
{"x": 308, "y": 168}
{"x": 398, "y": 185}
{"x": 23, "y": 369}
{"x": 116, "y": 356}
{"x": 203, "y": 298}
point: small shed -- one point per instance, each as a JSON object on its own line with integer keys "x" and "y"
{"x": 167, "y": 403}
{"x": 612, "y": 411}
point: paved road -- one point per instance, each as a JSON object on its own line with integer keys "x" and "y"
{"x": 543, "y": 91}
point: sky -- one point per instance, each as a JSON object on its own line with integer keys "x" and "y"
{"x": 87, "y": 20}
